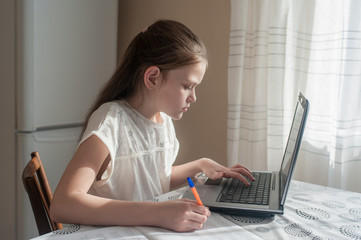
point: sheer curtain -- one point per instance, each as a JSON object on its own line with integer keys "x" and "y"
{"x": 279, "y": 48}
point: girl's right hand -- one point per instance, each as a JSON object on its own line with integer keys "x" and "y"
{"x": 182, "y": 215}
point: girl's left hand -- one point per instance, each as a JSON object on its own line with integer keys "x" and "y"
{"x": 215, "y": 171}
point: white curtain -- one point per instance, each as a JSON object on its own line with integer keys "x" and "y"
{"x": 279, "y": 48}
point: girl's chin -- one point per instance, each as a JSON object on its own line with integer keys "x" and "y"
{"x": 177, "y": 116}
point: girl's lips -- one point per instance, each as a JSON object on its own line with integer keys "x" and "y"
{"x": 185, "y": 109}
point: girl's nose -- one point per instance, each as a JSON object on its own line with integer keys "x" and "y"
{"x": 192, "y": 98}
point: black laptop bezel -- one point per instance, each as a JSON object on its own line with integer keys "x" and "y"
{"x": 302, "y": 102}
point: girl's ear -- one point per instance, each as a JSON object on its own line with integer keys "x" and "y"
{"x": 152, "y": 77}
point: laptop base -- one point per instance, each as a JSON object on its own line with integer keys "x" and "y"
{"x": 239, "y": 212}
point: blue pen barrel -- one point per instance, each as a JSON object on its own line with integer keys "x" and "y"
{"x": 190, "y": 182}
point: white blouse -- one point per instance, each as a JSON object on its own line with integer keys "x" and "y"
{"x": 141, "y": 152}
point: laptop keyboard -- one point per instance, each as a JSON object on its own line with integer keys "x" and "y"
{"x": 235, "y": 191}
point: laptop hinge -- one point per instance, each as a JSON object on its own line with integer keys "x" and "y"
{"x": 274, "y": 181}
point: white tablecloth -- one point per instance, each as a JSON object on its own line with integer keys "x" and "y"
{"x": 311, "y": 212}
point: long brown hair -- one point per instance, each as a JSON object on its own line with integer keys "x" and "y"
{"x": 166, "y": 43}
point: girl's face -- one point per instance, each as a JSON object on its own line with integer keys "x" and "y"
{"x": 178, "y": 90}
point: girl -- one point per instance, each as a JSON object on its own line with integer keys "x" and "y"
{"x": 128, "y": 145}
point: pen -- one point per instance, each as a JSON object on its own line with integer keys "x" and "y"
{"x": 194, "y": 190}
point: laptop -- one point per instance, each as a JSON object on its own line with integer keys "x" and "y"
{"x": 267, "y": 195}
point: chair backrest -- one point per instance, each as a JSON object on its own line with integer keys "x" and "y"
{"x": 37, "y": 186}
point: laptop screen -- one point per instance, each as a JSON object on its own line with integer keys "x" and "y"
{"x": 293, "y": 145}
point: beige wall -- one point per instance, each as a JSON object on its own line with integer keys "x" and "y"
{"x": 202, "y": 132}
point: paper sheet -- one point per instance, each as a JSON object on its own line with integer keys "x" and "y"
{"x": 216, "y": 228}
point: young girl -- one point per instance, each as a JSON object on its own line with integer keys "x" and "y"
{"x": 128, "y": 145}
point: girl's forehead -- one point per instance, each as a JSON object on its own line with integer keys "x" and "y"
{"x": 192, "y": 73}
{"x": 194, "y": 68}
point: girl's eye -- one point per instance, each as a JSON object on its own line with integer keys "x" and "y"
{"x": 188, "y": 87}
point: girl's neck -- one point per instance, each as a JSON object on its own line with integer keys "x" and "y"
{"x": 145, "y": 107}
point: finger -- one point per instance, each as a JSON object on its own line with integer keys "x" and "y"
{"x": 191, "y": 225}
{"x": 241, "y": 166}
{"x": 197, "y": 208}
{"x": 194, "y": 202}
{"x": 192, "y": 221}
{"x": 200, "y": 216}
{"x": 202, "y": 210}
{"x": 245, "y": 172}
{"x": 231, "y": 174}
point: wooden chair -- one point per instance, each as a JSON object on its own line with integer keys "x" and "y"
{"x": 37, "y": 186}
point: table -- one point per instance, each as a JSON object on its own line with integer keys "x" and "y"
{"x": 311, "y": 212}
